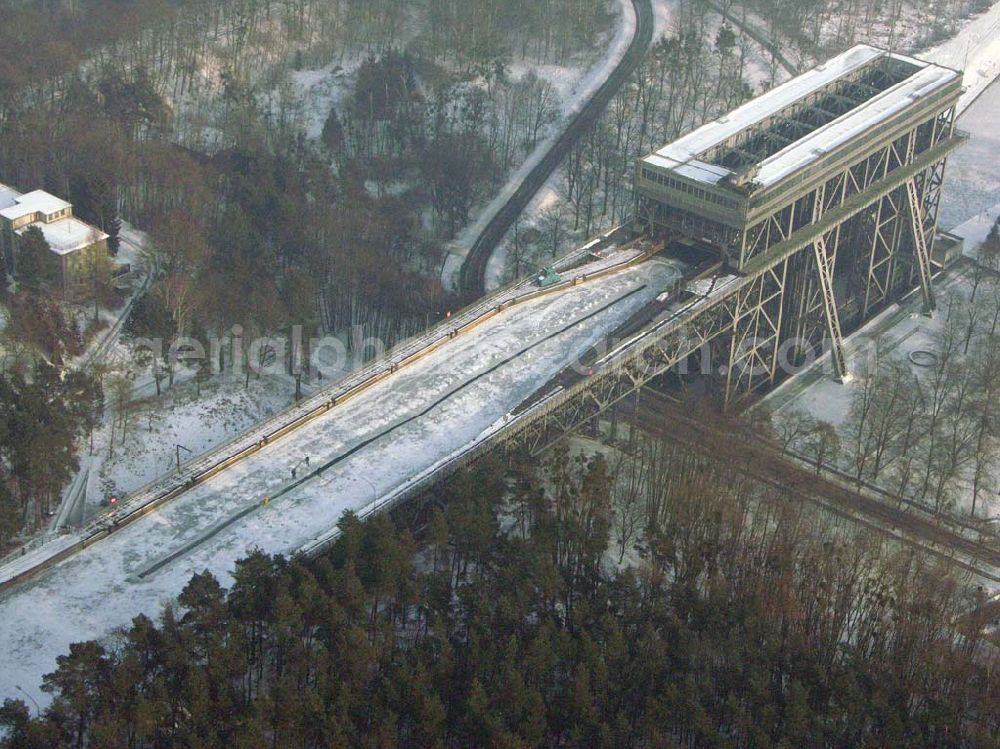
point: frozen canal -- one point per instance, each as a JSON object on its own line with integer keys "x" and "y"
{"x": 972, "y": 179}
{"x": 366, "y": 448}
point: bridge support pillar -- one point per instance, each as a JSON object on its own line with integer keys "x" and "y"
{"x": 887, "y": 222}
{"x": 921, "y": 251}
{"x": 825, "y": 264}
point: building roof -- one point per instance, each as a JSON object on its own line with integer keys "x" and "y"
{"x": 36, "y": 201}
{"x": 8, "y": 196}
{"x": 768, "y": 103}
{"x": 689, "y": 156}
{"x": 68, "y": 234}
{"x": 864, "y": 117}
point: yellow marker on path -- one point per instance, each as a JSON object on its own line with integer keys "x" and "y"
{"x": 267, "y": 498}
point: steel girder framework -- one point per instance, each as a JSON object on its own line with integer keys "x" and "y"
{"x": 744, "y": 314}
{"x": 855, "y": 179}
{"x": 876, "y": 242}
{"x": 779, "y": 292}
{"x": 825, "y": 264}
{"x": 920, "y": 241}
{"x": 671, "y": 342}
{"x": 885, "y": 236}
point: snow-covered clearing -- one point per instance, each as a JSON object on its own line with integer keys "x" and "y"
{"x": 585, "y": 85}
{"x": 198, "y": 417}
{"x": 972, "y": 178}
{"x": 891, "y": 337}
{"x": 323, "y": 89}
{"x": 443, "y": 401}
{"x": 155, "y": 426}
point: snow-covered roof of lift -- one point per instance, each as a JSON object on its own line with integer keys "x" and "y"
{"x": 35, "y": 201}
{"x": 771, "y": 102}
{"x": 701, "y": 171}
{"x": 68, "y": 234}
{"x": 712, "y": 133}
{"x": 681, "y": 155}
{"x": 853, "y": 123}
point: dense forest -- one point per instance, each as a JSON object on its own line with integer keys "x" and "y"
{"x": 183, "y": 115}
{"x": 739, "y": 618}
{"x": 182, "y": 119}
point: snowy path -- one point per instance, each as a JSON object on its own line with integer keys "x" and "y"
{"x": 369, "y": 446}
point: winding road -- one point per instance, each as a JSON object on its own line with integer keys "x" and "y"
{"x": 472, "y": 277}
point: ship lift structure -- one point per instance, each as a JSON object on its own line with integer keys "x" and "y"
{"x": 821, "y": 194}
{"x": 818, "y": 203}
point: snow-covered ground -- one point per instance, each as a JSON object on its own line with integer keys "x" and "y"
{"x": 580, "y": 92}
{"x": 972, "y": 178}
{"x": 664, "y": 18}
{"x": 890, "y": 337}
{"x": 974, "y": 230}
{"x": 321, "y": 90}
{"x": 970, "y": 200}
{"x": 155, "y": 426}
{"x": 200, "y": 418}
{"x": 461, "y": 389}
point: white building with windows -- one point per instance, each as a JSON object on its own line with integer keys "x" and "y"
{"x": 74, "y": 243}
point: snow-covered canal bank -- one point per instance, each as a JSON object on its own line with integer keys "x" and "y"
{"x": 972, "y": 179}
{"x": 372, "y": 444}
{"x": 972, "y": 182}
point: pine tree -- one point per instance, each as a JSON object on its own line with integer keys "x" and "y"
{"x": 35, "y": 263}
{"x": 79, "y": 681}
{"x": 333, "y": 132}
{"x": 113, "y": 228}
